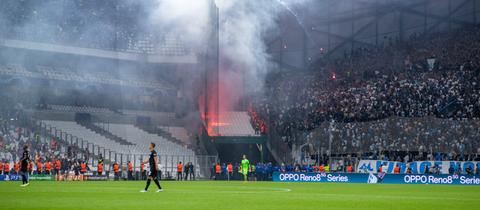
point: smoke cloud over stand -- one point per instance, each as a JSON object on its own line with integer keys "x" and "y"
{"x": 244, "y": 24}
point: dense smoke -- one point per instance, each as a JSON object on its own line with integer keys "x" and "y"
{"x": 244, "y": 25}
{"x": 184, "y": 18}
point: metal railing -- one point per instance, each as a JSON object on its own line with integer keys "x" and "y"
{"x": 427, "y": 134}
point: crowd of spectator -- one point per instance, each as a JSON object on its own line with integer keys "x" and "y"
{"x": 433, "y": 76}
{"x": 54, "y": 155}
{"x": 43, "y": 149}
{"x": 258, "y": 123}
{"x": 455, "y": 139}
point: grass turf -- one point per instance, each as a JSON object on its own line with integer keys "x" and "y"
{"x": 234, "y": 195}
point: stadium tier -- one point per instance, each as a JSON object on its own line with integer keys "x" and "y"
{"x": 43, "y": 72}
{"x": 179, "y": 133}
{"x": 233, "y": 124}
{"x": 240, "y": 104}
{"x": 88, "y": 135}
{"x": 140, "y": 137}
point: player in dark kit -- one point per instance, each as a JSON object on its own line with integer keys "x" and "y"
{"x": 153, "y": 161}
{"x": 24, "y": 166}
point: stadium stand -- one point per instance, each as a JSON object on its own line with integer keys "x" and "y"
{"x": 429, "y": 89}
{"x": 142, "y": 139}
{"x": 170, "y": 153}
{"x": 44, "y": 72}
{"x": 78, "y": 130}
{"x": 67, "y": 31}
{"x": 402, "y": 100}
{"x": 43, "y": 145}
{"x": 139, "y": 138}
{"x": 135, "y": 142}
{"x": 453, "y": 140}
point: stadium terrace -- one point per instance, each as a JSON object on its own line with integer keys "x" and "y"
{"x": 271, "y": 104}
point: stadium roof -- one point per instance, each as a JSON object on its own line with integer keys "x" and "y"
{"x": 317, "y": 29}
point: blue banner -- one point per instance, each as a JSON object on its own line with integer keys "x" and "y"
{"x": 377, "y": 178}
{"x": 418, "y": 167}
{"x": 11, "y": 177}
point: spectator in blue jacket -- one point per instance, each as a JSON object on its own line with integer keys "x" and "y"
{"x": 451, "y": 170}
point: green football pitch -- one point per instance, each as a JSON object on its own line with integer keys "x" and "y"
{"x": 235, "y": 195}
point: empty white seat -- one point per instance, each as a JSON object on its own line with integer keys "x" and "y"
{"x": 179, "y": 133}
{"x": 142, "y": 138}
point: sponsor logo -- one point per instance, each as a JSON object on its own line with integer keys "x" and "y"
{"x": 307, "y": 177}
{"x": 427, "y": 179}
{"x": 377, "y": 178}
{"x": 372, "y": 179}
{"x": 337, "y": 178}
{"x": 300, "y": 177}
{"x": 469, "y": 180}
{"x": 42, "y": 177}
{"x": 11, "y": 177}
{"x": 97, "y": 178}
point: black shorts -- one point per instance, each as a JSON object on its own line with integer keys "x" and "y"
{"x": 23, "y": 172}
{"x": 153, "y": 174}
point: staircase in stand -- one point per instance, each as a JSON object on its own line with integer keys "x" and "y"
{"x": 155, "y": 130}
{"x": 103, "y": 132}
